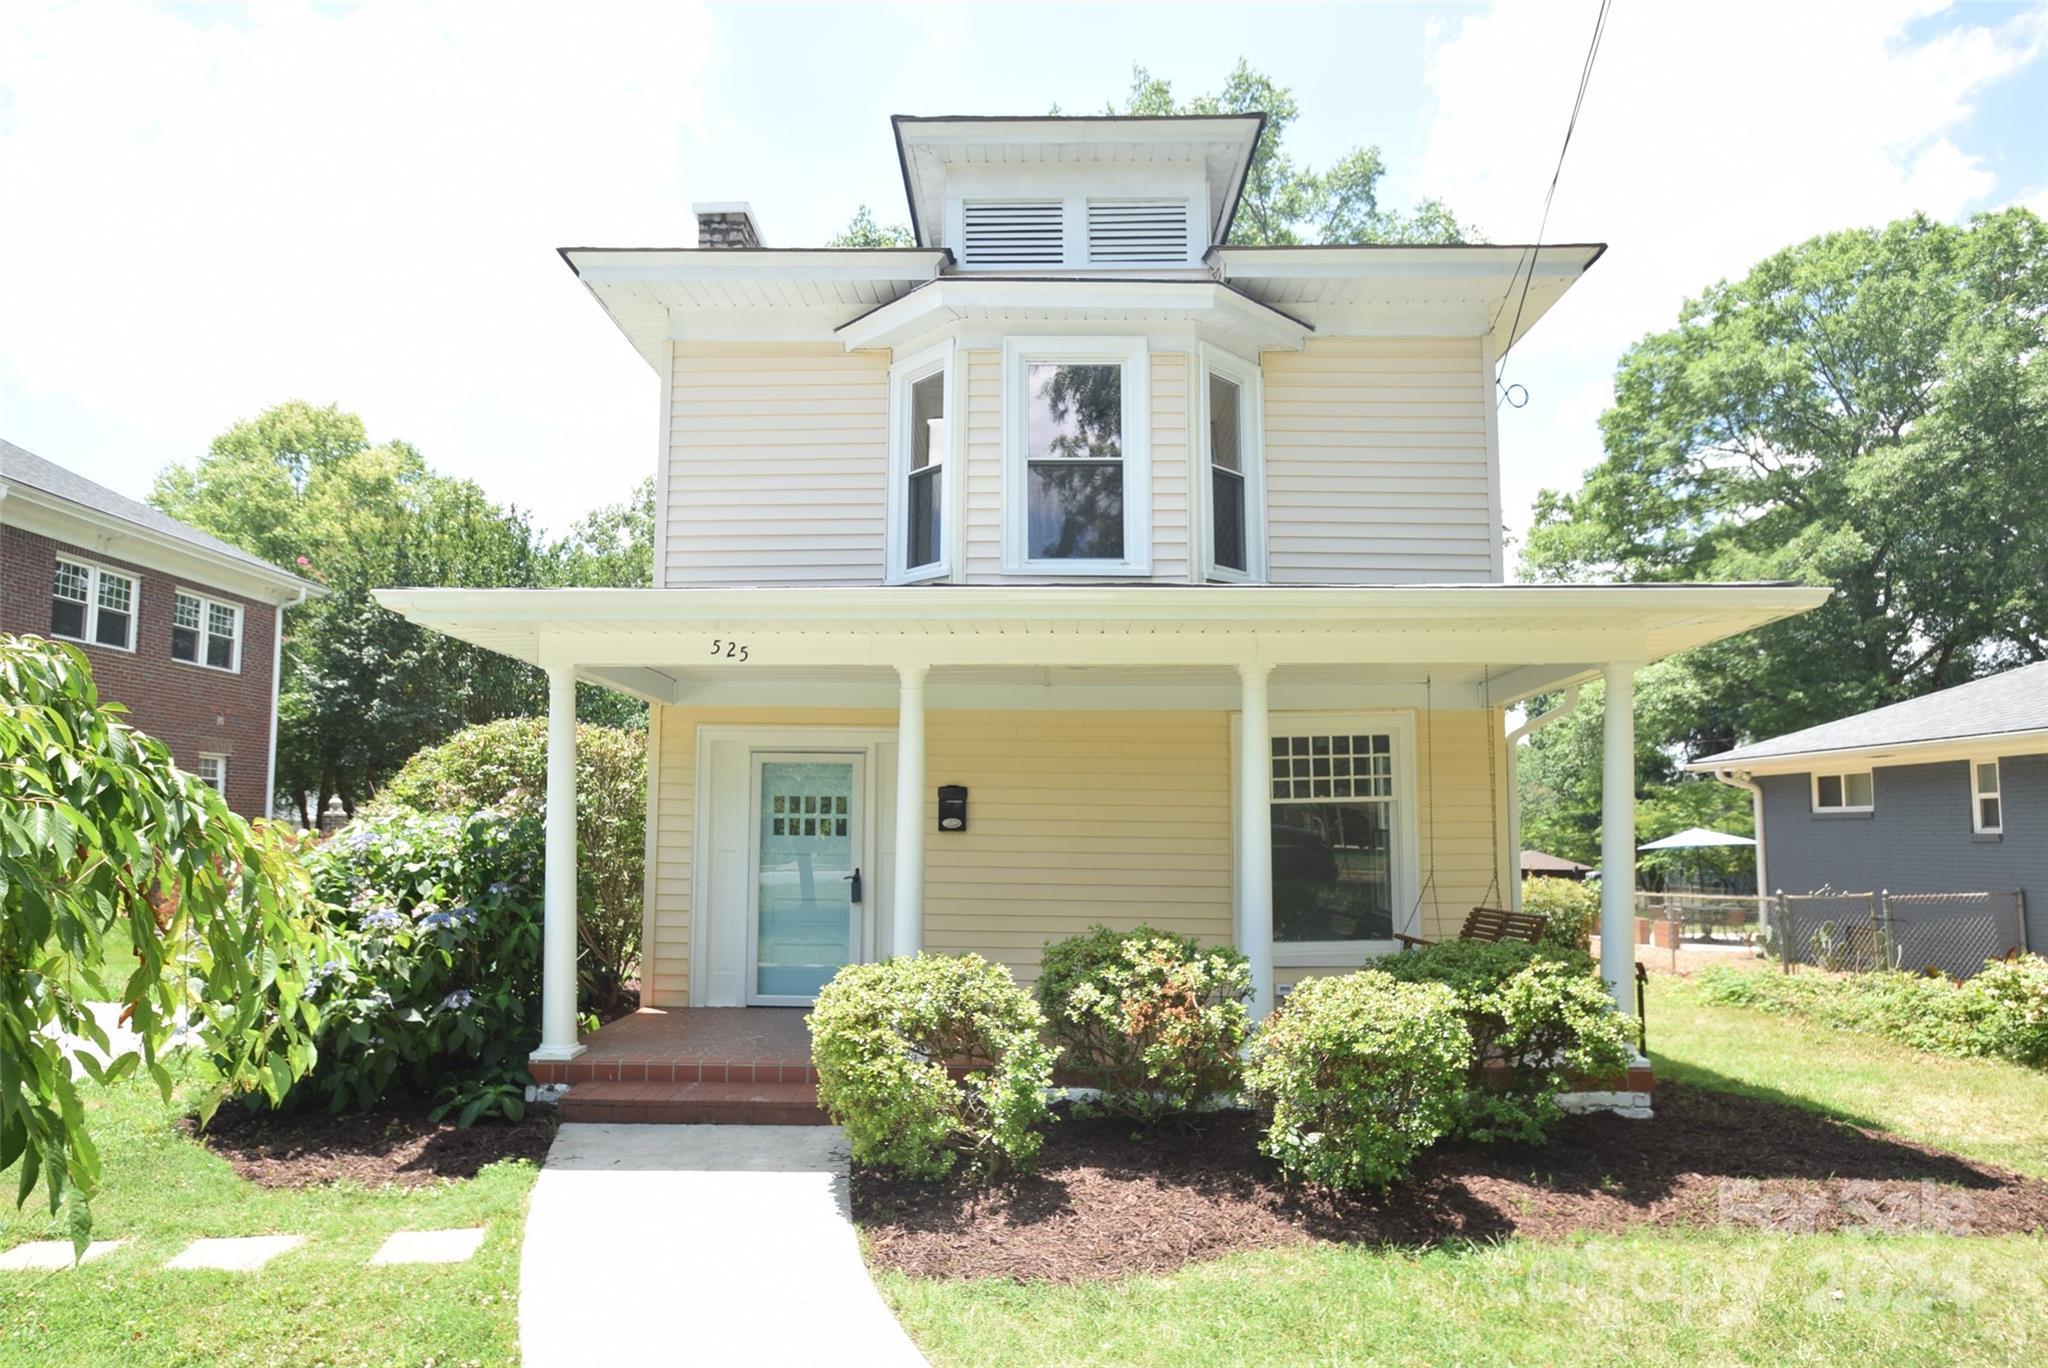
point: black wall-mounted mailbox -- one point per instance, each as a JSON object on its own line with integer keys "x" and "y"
{"x": 952, "y": 807}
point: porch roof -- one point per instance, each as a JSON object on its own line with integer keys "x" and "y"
{"x": 1512, "y": 640}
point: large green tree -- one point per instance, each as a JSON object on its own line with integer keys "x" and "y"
{"x": 1285, "y": 201}
{"x": 363, "y": 689}
{"x": 1867, "y": 411}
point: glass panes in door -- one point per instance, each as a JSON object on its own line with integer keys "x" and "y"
{"x": 806, "y": 920}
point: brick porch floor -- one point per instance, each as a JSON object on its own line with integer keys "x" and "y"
{"x": 693, "y": 1065}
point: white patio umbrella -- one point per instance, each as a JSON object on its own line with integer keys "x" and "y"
{"x": 1694, "y": 838}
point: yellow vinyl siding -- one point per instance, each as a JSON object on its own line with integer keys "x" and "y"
{"x": 1377, "y": 465}
{"x": 777, "y": 468}
{"x": 1076, "y": 818}
{"x": 1170, "y": 400}
{"x": 984, "y": 454}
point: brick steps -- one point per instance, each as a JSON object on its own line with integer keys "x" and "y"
{"x": 694, "y": 1103}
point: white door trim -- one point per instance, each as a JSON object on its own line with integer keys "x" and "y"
{"x": 722, "y": 837}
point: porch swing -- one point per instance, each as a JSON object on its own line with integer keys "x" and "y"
{"x": 1487, "y": 922}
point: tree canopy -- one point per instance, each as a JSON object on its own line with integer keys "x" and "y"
{"x": 1285, "y": 202}
{"x": 124, "y": 880}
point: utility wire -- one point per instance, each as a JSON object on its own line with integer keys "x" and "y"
{"x": 1529, "y": 253}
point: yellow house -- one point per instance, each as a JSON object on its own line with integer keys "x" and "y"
{"x": 1073, "y": 566}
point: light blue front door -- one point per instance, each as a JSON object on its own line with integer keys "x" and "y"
{"x": 808, "y": 893}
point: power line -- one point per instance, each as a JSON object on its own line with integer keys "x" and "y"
{"x": 1529, "y": 253}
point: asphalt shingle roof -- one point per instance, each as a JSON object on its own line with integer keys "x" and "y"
{"x": 25, "y": 468}
{"x": 2015, "y": 701}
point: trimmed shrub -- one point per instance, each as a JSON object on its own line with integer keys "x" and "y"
{"x": 1360, "y": 1073}
{"x": 2002, "y": 1013}
{"x": 1572, "y": 906}
{"x": 435, "y": 992}
{"x": 883, "y": 1037}
{"x": 1149, "y": 1018}
{"x": 503, "y": 766}
{"x": 1538, "y": 1016}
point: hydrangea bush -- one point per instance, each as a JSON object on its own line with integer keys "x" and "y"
{"x": 436, "y": 989}
{"x": 1360, "y": 1073}
{"x": 886, "y": 1038}
{"x": 1149, "y": 1018}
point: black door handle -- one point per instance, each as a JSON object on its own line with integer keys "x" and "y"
{"x": 854, "y": 879}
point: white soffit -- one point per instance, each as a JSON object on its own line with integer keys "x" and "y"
{"x": 1017, "y": 304}
{"x": 928, "y": 147}
{"x": 1461, "y": 290}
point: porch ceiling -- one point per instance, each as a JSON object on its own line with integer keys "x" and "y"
{"x": 1179, "y": 641}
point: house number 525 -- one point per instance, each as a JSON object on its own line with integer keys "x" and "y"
{"x": 729, "y": 650}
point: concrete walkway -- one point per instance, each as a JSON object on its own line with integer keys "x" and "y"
{"x": 699, "y": 1245}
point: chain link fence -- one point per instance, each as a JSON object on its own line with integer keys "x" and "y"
{"x": 1948, "y": 933}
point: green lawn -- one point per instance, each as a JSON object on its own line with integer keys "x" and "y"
{"x": 318, "y": 1304}
{"x": 1646, "y": 1298}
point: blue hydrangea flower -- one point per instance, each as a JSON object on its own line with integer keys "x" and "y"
{"x": 500, "y": 889}
{"x": 465, "y": 915}
{"x": 434, "y": 921}
{"x": 383, "y": 919}
{"x": 457, "y": 1000}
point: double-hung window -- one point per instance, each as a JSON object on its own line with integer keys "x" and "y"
{"x": 921, "y": 406}
{"x": 205, "y": 631}
{"x": 1077, "y": 474}
{"x": 1233, "y": 492}
{"x": 90, "y": 604}
{"x": 1342, "y": 803}
{"x": 1987, "y": 806}
{"x": 213, "y": 772}
{"x": 1848, "y": 791}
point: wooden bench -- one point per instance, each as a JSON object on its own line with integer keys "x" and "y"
{"x": 1493, "y": 924}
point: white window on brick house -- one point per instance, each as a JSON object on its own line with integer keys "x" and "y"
{"x": 1846, "y": 791}
{"x": 213, "y": 772}
{"x": 91, "y": 604}
{"x": 1987, "y": 807}
{"x": 205, "y": 631}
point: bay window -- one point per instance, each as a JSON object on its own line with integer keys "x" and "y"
{"x": 1077, "y": 486}
{"x": 1231, "y": 495}
{"x": 921, "y": 406}
{"x": 91, "y": 604}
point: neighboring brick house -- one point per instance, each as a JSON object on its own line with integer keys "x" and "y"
{"x": 180, "y": 627}
{"x": 1947, "y": 793}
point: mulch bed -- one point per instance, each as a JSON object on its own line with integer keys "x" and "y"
{"x": 1107, "y": 1203}
{"x": 376, "y": 1149}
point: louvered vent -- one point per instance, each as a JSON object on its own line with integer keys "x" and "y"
{"x": 1012, "y": 233}
{"x": 1138, "y": 232}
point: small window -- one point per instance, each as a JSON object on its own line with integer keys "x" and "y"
{"x": 213, "y": 772}
{"x": 1850, "y": 791}
{"x": 1078, "y": 487}
{"x": 918, "y": 458}
{"x": 1234, "y": 537}
{"x": 205, "y": 632}
{"x": 1987, "y": 808}
{"x": 93, "y": 605}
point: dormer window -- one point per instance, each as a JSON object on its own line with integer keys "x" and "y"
{"x": 1077, "y": 485}
{"x": 921, "y": 400}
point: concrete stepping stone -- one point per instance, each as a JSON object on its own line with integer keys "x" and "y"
{"x": 237, "y": 1254}
{"x": 429, "y": 1246}
{"x": 53, "y": 1254}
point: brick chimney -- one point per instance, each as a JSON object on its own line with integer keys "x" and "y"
{"x": 729, "y": 223}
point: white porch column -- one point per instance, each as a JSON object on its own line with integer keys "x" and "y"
{"x": 907, "y": 916}
{"x": 1618, "y": 836}
{"x": 1255, "y": 838}
{"x": 558, "y": 926}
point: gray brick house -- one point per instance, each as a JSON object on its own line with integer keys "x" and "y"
{"x": 1946, "y": 793}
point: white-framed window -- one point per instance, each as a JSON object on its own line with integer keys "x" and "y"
{"x": 1231, "y": 490}
{"x": 213, "y": 772}
{"x": 921, "y": 492}
{"x": 1077, "y": 484}
{"x": 1843, "y": 791}
{"x": 1987, "y": 806}
{"x": 206, "y": 631}
{"x": 1341, "y": 794}
{"x": 91, "y": 604}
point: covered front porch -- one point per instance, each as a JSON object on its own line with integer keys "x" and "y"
{"x": 1129, "y": 753}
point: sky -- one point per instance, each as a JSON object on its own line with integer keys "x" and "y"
{"x": 209, "y": 209}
